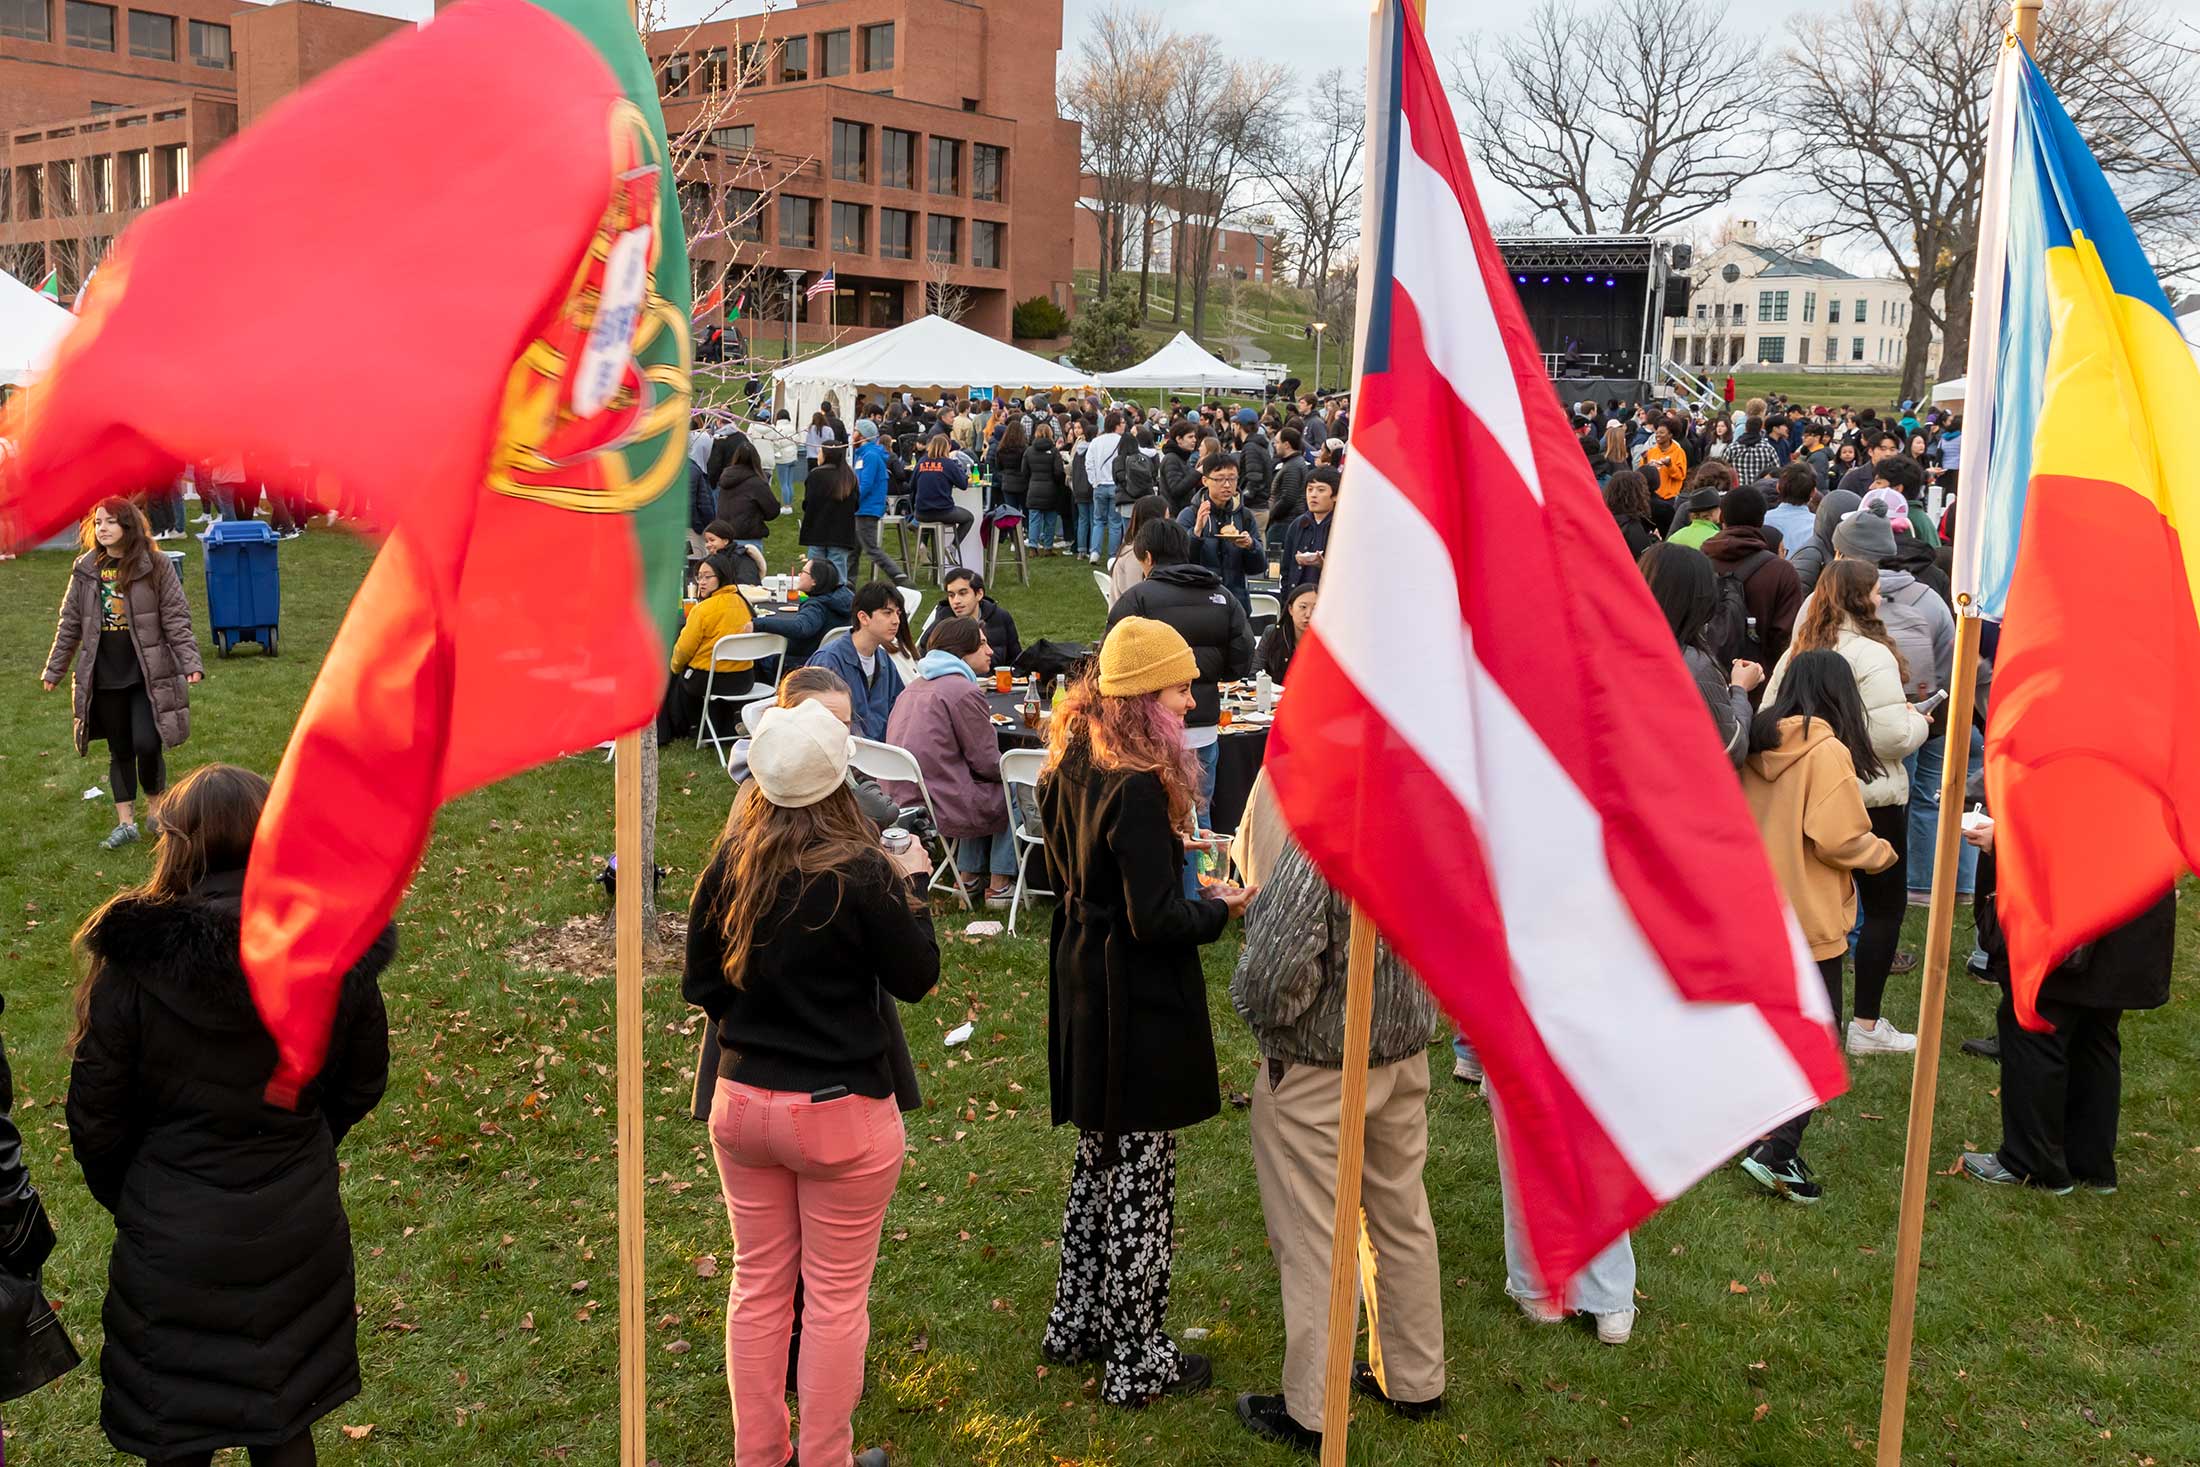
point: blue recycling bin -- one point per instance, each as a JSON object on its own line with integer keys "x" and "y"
{"x": 243, "y": 590}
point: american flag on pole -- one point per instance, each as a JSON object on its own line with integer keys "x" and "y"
{"x": 823, "y": 285}
{"x": 1491, "y": 745}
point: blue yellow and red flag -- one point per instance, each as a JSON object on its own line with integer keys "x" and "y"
{"x": 2083, "y": 539}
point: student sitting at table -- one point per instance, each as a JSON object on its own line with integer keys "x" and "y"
{"x": 937, "y": 475}
{"x": 864, "y": 658}
{"x": 966, "y": 598}
{"x": 826, "y": 603}
{"x": 719, "y": 611}
{"x": 1306, "y": 542}
{"x": 1225, "y": 537}
{"x": 946, "y": 722}
{"x": 1280, "y": 643}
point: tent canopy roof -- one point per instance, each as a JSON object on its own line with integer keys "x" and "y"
{"x": 930, "y": 351}
{"x": 1185, "y": 363}
{"x": 30, "y": 328}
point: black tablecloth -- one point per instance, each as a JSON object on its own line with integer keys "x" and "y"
{"x": 1240, "y": 752}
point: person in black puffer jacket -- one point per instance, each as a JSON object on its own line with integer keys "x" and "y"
{"x": 1046, "y": 490}
{"x": 1191, "y": 598}
{"x": 1286, "y": 489}
{"x": 746, "y": 498}
{"x": 34, "y": 1348}
{"x": 1010, "y": 477}
{"x": 230, "y": 1312}
{"x": 1180, "y": 465}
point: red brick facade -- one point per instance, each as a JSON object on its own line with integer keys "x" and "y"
{"x": 862, "y": 100}
{"x": 1241, "y": 253}
{"x": 107, "y": 107}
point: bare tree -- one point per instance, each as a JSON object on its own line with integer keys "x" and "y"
{"x": 1318, "y": 182}
{"x": 942, "y": 296}
{"x": 1899, "y": 131}
{"x": 1623, "y": 118}
{"x": 1225, "y": 117}
{"x": 1111, "y": 90}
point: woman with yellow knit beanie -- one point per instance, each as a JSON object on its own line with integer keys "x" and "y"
{"x": 1131, "y": 1053}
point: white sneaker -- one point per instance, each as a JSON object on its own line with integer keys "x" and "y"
{"x": 1615, "y": 1329}
{"x": 1466, "y": 1071}
{"x": 1880, "y": 1037}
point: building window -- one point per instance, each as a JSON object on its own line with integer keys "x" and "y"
{"x": 745, "y": 215}
{"x": 26, "y": 19}
{"x": 896, "y": 234}
{"x": 1833, "y": 310}
{"x": 734, "y": 139}
{"x": 710, "y": 70}
{"x": 985, "y": 244}
{"x": 1772, "y": 348}
{"x": 832, "y": 53}
{"x": 152, "y": 37}
{"x": 946, "y": 169}
{"x": 1803, "y": 343}
{"x": 756, "y": 65}
{"x": 675, "y": 75}
{"x": 1772, "y": 305}
{"x": 1833, "y": 350}
{"x": 1702, "y": 311}
{"x": 1810, "y": 313}
{"x": 794, "y": 59}
{"x": 91, "y": 27}
{"x": 848, "y": 228}
{"x": 939, "y": 238}
{"x": 878, "y": 47}
{"x": 897, "y": 158}
{"x": 1858, "y": 318}
{"x": 210, "y": 45}
{"x": 175, "y": 169}
{"x": 101, "y": 171}
{"x": 1856, "y": 347}
{"x": 797, "y": 222}
{"x": 137, "y": 179}
{"x": 61, "y": 187}
{"x": 988, "y": 166}
{"x": 851, "y": 151}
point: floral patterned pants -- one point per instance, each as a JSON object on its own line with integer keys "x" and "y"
{"x": 1113, "y": 1293}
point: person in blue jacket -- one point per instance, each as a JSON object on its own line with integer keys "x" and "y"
{"x": 1225, "y": 538}
{"x": 872, "y": 475}
{"x": 864, "y": 658}
{"x": 826, "y": 604}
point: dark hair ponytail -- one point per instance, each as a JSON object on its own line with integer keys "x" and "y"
{"x": 1820, "y": 685}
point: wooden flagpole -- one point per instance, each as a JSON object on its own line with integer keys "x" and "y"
{"x": 633, "y": 1338}
{"x": 1344, "y": 1233}
{"x": 1917, "y": 1165}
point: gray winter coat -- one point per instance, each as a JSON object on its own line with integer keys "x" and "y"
{"x": 160, "y": 629}
{"x": 1817, "y": 553}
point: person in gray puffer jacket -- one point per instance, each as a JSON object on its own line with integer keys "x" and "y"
{"x": 1815, "y": 554}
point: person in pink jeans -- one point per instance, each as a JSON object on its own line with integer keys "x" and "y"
{"x": 799, "y": 975}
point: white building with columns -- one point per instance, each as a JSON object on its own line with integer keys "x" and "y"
{"x": 1755, "y": 305}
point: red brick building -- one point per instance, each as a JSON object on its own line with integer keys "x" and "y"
{"x": 909, "y": 145}
{"x": 106, "y": 107}
{"x": 1241, "y": 253}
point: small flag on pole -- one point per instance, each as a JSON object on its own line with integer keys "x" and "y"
{"x": 708, "y": 303}
{"x": 50, "y": 287}
{"x": 1604, "y": 925}
{"x": 823, "y": 285}
{"x": 733, "y": 312}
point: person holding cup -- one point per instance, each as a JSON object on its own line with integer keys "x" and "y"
{"x": 1225, "y": 536}
{"x": 1307, "y": 541}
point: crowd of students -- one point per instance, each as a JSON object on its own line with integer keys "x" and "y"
{"x": 1821, "y": 658}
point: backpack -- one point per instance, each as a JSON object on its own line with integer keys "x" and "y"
{"x": 1140, "y": 476}
{"x": 1911, "y": 631}
{"x": 1729, "y": 630}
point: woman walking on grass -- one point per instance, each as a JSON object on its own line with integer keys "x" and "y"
{"x": 801, "y": 936}
{"x": 1131, "y": 1051}
{"x": 230, "y": 1299}
{"x": 124, "y": 641}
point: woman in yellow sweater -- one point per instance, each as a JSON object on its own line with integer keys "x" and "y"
{"x": 719, "y": 611}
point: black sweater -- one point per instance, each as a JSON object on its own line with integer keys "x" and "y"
{"x": 828, "y": 949}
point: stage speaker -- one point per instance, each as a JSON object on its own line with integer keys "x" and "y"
{"x": 1676, "y": 297}
{"x": 1684, "y": 255}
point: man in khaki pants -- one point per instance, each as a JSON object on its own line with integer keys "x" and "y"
{"x": 1290, "y": 987}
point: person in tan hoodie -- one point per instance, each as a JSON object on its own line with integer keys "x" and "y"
{"x": 1810, "y": 751}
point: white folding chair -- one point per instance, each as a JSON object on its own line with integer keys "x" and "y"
{"x": 1020, "y": 772}
{"x": 1263, "y": 604}
{"x": 833, "y": 635}
{"x": 891, "y": 761}
{"x": 1106, "y": 585}
{"x": 912, "y": 601}
{"x": 739, "y": 647}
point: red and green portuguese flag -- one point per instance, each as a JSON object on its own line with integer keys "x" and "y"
{"x": 444, "y": 289}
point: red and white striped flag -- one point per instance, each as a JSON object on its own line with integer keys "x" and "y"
{"x": 1491, "y": 745}
{"x": 824, "y": 285}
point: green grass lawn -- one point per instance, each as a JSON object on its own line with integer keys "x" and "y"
{"x": 481, "y": 1194}
{"x": 1830, "y": 389}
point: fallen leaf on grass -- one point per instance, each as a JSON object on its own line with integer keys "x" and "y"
{"x": 677, "y": 1347}
{"x": 1736, "y": 1286}
{"x": 1953, "y": 1168}
{"x": 1764, "y": 1409}
{"x": 527, "y": 1320}
{"x": 706, "y": 1267}
{"x": 359, "y": 1433}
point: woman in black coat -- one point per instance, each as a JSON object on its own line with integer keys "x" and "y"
{"x": 1046, "y": 490}
{"x": 229, "y": 1312}
{"x": 1010, "y": 478}
{"x": 1627, "y": 496}
{"x": 1131, "y": 1051}
{"x": 34, "y": 1348}
{"x": 746, "y": 498}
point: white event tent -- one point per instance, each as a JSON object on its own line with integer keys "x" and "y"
{"x": 1185, "y": 363}
{"x": 30, "y": 328}
{"x": 930, "y": 352}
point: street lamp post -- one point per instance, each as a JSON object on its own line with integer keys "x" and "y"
{"x": 1319, "y": 328}
{"x": 794, "y": 306}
